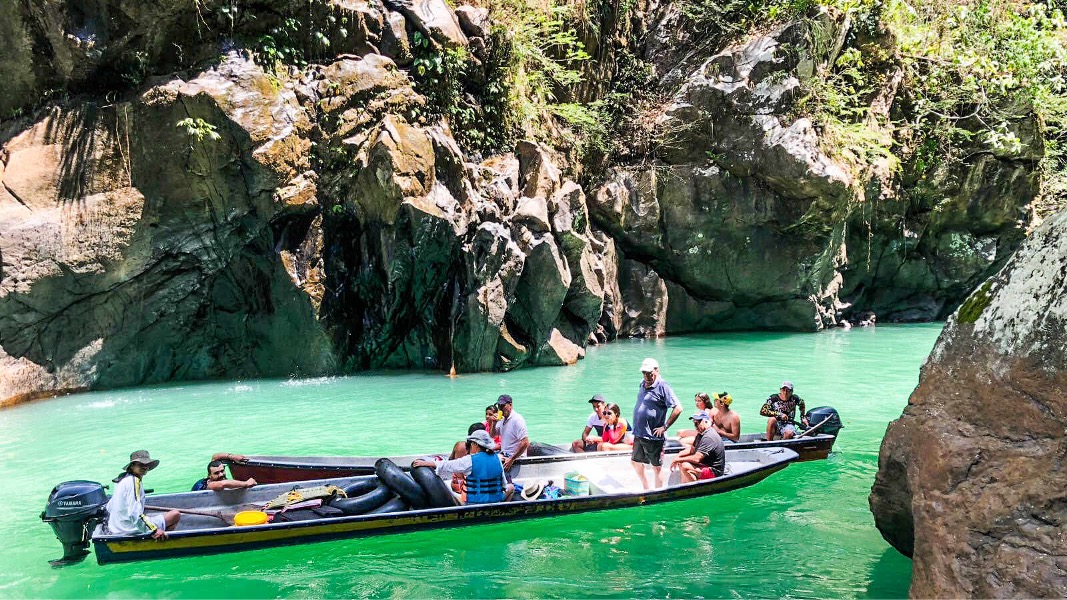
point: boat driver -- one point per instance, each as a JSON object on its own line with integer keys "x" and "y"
{"x": 781, "y": 410}
{"x": 126, "y": 511}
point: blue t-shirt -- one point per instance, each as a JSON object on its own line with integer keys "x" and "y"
{"x": 200, "y": 486}
{"x": 653, "y": 406}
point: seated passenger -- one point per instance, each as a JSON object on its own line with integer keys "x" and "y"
{"x": 482, "y": 468}
{"x": 493, "y": 416}
{"x": 704, "y": 404}
{"x": 216, "y": 475}
{"x": 594, "y": 427}
{"x": 460, "y": 448}
{"x": 617, "y": 434}
{"x": 706, "y": 459}
{"x": 727, "y": 423}
{"x": 781, "y": 408}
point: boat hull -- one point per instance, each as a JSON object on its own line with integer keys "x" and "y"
{"x": 280, "y": 469}
{"x": 110, "y": 549}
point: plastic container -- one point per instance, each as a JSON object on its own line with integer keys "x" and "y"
{"x": 576, "y": 484}
{"x": 246, "y": 518}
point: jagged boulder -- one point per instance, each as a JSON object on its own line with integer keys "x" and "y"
{"x": 970, "y": 479}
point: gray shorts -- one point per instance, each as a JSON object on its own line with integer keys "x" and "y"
{"x": 781, "y": 429}
{"x": 649, "y": 452}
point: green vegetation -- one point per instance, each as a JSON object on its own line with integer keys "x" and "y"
{"x": 973, "y": 307}
{"x": 199, "y": 129}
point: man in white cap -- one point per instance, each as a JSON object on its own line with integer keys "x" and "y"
{"x": 651, "y": 421}
{"x": 781, "y": 410}
{"x": 125, "y": 509}
{"x": 483, "y": 470}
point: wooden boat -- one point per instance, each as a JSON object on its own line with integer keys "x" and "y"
{"x": 612, "y": 484}
{"x": 278, "y": 469}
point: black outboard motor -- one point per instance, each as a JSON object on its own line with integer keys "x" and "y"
{"x": 74, "y": 508}
{"x": 822, "y": 413}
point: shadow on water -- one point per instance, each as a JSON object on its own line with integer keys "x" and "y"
{"x": 890, "y": 576}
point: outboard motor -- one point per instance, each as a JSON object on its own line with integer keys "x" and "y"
{"x": 74, "y": 508}
{"x": 825, "y": 413}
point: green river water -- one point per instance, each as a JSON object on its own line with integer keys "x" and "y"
{"x": 805, "y": 532}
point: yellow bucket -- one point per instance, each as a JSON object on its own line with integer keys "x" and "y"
{"x": 249, "y": 517}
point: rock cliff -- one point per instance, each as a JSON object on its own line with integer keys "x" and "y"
{"x": 971, "y": 478}
{"x": 214, "y": 189}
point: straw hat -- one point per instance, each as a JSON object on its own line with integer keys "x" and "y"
{"x": 533, "y": 490}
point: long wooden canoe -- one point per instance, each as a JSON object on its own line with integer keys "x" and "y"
{"x": 613, "y": 484}
{"x": 279, "y": 469}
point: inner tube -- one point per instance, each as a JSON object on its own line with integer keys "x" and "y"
{"x": 401, "y": 483}
{"x": 394, "y": 505}
{"x": 367, "y": 502}
{"x": 362, "y": 487}
{"x": 542, "y": 449}
{"x": 437, "y": 491}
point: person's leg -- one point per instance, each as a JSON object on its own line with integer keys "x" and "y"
{"x": 772, "y": 426}
{"x": 577, "y": 446}
{"x": 509, "y": 491}
{"x": 788, "y": 432}
{"x": 614, "y": 447}
{"x": 686, "y": 472}
{"x": 655, "y": 454}
{"x": 171, "y": 518}
{"x": 640, "y": 468}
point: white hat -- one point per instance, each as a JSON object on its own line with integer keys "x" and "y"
{"x": 648, "y": 365}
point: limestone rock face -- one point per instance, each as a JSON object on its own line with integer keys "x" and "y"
{"x": 970, "y": 478}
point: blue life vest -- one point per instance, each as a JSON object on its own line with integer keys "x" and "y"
{"x": 486, "y": 481}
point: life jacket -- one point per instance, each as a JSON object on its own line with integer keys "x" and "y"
{"x": 486, "y": 481}
{"x": 613, "y": 434}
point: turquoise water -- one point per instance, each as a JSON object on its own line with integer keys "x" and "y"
{"x": 803, "y": 533}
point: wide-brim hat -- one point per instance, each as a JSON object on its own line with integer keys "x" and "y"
{"x": 532, "y": 491}
{"x": 142, "y": 457}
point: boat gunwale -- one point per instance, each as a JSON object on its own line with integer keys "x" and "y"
{"x": 278, "y": 461}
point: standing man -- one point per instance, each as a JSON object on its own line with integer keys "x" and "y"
{"x": 651, "y": 422}
{"x": 594, "y": 427}
{"x": 514, "y": 440}
{"x": 125, "y": 509}
{"x": 706, "y": 459}
{"x": 216, "y": 475}
{"x": 781, "y": 408}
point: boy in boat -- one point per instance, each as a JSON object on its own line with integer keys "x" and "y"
{"x": 483, "y": 469}
{"x": 726, "y": 422}
{"x": 594, "y": 427}
{"x": 706, "y": 459}
{"x": 216, "y": 475}
{"x": 125, "y": 509}
{"x": 781, "y": 408}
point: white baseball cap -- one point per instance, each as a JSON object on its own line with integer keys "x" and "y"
{"x": 648, "y": 365}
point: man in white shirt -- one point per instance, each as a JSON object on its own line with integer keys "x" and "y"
{"x": 125, "y": 509}
{"x": 594, "y": 427}
{"x": 514, "y": 439}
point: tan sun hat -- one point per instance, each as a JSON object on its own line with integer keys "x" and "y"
{"x": 141, "y": 457}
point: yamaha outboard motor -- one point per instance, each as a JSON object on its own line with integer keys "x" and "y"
{"x": 825, "y": 413}
{"x": 74, "y": 508}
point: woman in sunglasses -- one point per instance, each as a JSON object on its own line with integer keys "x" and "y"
{"x": 617, "y": 435}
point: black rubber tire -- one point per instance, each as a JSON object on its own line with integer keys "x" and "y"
{"x": 401, "y": 483}
{"x": 437, "y": 491}
{"x": 362, "y": 487}
{"x": 365, "y": 503}
{"x": 394, "y": 505}
{"x": 541, "y": 449}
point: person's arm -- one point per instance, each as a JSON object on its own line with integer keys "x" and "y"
{"x": 731, "y": 431}
{"x": 445, "y": 468}
{"x": 585, "y": 435}
{"x": 768, "y": 411}
{"x": 523, "y": 445}
{"x": 803, "y": 412}
{"x": 230, "y": 484}
{"x": 229, "y": 457}
{"x": 670, "y": 421}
